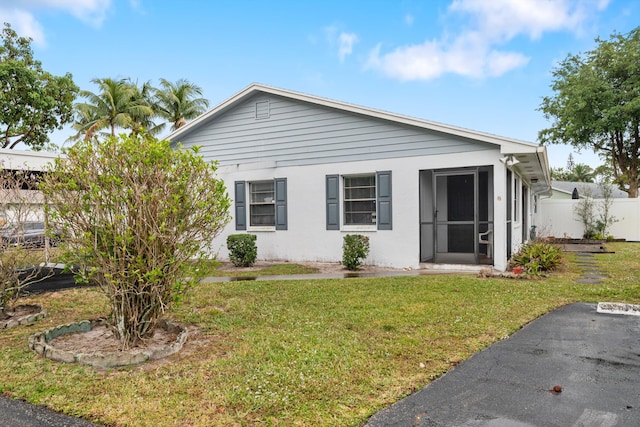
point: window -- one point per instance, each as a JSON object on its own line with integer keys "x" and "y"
{"x": 360, "y": 200}
{"x": 267, "y": 203}
{"x": 366, "y": 201}
{"x": 262, "y": 208}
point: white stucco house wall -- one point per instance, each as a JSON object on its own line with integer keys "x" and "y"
{"x": 304, "y": 171}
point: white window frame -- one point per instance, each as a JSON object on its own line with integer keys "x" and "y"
{"x": 259, "y": 198}
{"x": 346, "y": 200}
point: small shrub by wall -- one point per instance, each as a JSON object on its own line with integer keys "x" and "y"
{"x": 242, "y": 249}
{"x": 355, "y": 249}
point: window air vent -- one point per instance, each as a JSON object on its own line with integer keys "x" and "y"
{"x": 262, "y": 109}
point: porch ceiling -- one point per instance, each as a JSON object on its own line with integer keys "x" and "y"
{"x": 533, "y": 167}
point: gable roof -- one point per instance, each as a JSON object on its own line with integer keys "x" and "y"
{"x": 586, "y": 188}
{"x": 530, "y": 159}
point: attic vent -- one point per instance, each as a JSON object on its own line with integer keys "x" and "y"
{"x": 262, "y": 110}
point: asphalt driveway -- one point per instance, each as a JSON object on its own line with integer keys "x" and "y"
{"x": 17, "y": 413}
{"x": 593, "y": 357}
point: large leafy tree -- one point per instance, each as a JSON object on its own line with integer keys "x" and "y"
{"x": 33, "y": 102}
{"x": 596, "y": 105}
{"x": 179, "y": 102}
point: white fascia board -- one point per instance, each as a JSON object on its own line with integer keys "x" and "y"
{"x": 23, "y": 159}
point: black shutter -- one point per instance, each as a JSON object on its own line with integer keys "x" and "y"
{"x": 333, "y": 202}
{"x": 241, "y": 205}
{"x": 384, "y": 208}
{"x": 281, "y": 203}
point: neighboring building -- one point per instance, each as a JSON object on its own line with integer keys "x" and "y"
{"x": 570, "y": 189}
{"x": 38, "y": 161}
{"x": 26, "y": 204}
{"x": 304, "y": 171}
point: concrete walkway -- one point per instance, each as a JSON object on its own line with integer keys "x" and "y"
{"x": 592, "y": 358}
{"x": 591, "y": 274}
{"x": 345, "y": 275}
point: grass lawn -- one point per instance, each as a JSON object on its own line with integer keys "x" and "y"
{"x": 299, "y": 353}
{"x": 212, "y": 269}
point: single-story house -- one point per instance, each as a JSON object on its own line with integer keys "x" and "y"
{"x": 304, "y": 171}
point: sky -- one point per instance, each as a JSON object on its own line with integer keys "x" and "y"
{"x": 478, "y": 64}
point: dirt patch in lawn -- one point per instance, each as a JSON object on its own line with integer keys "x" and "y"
{"x": 101, "y": 338}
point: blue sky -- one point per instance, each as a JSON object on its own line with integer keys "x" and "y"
{"x": 478, "y": 64}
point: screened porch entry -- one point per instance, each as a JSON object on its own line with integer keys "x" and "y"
{"x": 456, "y": 215}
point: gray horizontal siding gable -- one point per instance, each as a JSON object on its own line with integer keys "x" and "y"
{"x": 267, "y": 127}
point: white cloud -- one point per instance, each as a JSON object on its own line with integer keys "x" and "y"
{"x": 330, "y": 33}
{"x": 21, "y": 14}
{"x": 24, "y": 24}
{"x": 432, "y": 59}
{"x": 473, "y": 51}
{"x": 504, "y": 19}
{"x": 346, "y": 41}
{"x": 93, "y": 12}
{"x": 497, "y": 63}
{"x": 408, "y": 19}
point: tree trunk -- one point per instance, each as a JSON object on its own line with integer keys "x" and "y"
{"x": 632, "y": 174}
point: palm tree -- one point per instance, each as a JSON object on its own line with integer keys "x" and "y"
{"x": 179, "y": 102}
{"x": 582, "y": 173}
{"x": 85, "y": 123}
{"x": 118, "y": 104}
{"x": 142, "y": 117}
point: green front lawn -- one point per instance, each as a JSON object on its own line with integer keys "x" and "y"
{"x": 214, "y": 268}
{"x": 299, "y": 353}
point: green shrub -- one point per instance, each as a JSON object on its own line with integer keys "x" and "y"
{"x": 537, "y": 257}
{"x": 354, "y": 250}
{"x": 135, "y": 211}
{"x": 242, "y": 249}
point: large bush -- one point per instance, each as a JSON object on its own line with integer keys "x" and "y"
{"x": 136, "y": 212}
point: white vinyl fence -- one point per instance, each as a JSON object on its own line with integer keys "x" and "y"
{"x": 556, "y": 217}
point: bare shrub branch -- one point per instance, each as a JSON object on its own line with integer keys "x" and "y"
{"x": 20, "y": 265}
{"x": 135, "y": 213}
